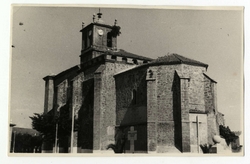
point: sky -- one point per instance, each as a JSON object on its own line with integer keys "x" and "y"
{"x": 47, "y": 41}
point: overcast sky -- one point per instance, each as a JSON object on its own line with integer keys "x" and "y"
{"x": 47, "y": 41}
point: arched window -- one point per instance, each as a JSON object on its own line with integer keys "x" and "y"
{"x": 83, "y": 41}
{"x": 89, "y": 38}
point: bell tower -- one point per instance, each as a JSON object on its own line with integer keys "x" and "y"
{"x": 97, "y": 38}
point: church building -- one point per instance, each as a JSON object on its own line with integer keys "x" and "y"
{"x": 135, "y": 103}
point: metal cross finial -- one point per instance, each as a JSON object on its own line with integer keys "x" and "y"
{"x": 99, "y": 14}
{"x": 82, "y": 24}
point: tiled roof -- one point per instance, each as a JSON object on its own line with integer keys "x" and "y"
{"x": 25, "y": 131}
{"x": 178, "y": 59}
{"x": 168, "y": 60}
{"x": 123, "y": 53}
{"x": 74, "y": 68}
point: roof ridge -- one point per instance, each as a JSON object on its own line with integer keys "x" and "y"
{"x": 176, "y": 55}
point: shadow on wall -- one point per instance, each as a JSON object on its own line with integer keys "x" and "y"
{"x": 85, "y": 139}
{"x": 177, "y": 112}
{"x": 120, "y": 141}
{"x": 133, "y": 114}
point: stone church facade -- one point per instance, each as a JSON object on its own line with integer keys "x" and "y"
{"x": 150, "y": 105}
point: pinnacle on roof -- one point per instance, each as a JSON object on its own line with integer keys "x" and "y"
{"x": 99, "y": 14}
{"x": 99, "y": 20}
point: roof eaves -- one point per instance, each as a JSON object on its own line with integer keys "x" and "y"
{"x": 209, "y": 78}
{"x": 123, "y": 53}
{"x": 195, "y": 64}
{"x": 176, "y": 56}
{"x": 76, "y": 67}
{"x": 133, "y": 68}
{"x": 190, "y": 61}
{"x": 48, "y": 77}
{"x": 125, "y": 70}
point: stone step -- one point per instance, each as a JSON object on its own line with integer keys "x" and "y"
{"x": 167, "y": 149}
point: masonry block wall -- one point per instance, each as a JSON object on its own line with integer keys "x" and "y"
{"x": 178, "y": 90}
{"x": 76, "y": 105}
{"x": 77, "y": 94}
{"x": 185, "y": 126}
{"x": 198, "y": 136}
{"x": 59, "y": 85}
{"x": 49, "y": 93}
{"x": 62, "y": 93}
{"x": 103, "y": 41}
{"x": 161, "y": 121}
{"x": 220, "y": 119}
{"x": 151, "y": 112}
{"x": 196, "y": 86}
{"x": 192, "y": 93}
{"x": 105, "y": 102}
{"x": 211, "y": 108}
{"x": 85, "y": 132}
{"x": 131, "y": 101}
{"x": 202, "y": 97}
{"x": 131, "y": 106}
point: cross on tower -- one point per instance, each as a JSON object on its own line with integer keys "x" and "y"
{"x": 132, "y": 136}
{"x": 99, "y": 14}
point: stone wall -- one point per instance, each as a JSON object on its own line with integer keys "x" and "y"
{"x": 208, "y": 94}
{"x": 184, "y": 103}
{"x": 140, "y": 144}
{"x": 195, "y": 142}
{"x": 151, "y": 109}
{"x": 59, "y": 91}
{"x": 131, "y": 100}
{"x": 176, "y": 89}
{"x": 85, "y": 130}
{"x": 77, "y": 94}
{"x": 49, "y": 94}
{"x": 105, "y": 103}
{"x": 220, "y": 119}
{"x": 161, "y": 121}
{"x": 62, "y": 93}
{"x": 164, "y": 83}
{"x": 156, "y": 100}
{"x": 196, "y": 86}
{"x": 211, "y": 107}
{"x": 179, "y": 89}
{"x": 89, "y": 73}
{"x": 102, "y": 40}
